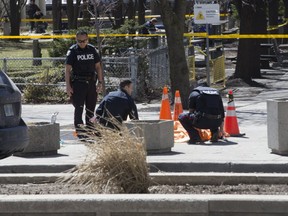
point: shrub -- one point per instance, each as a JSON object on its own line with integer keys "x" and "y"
{"x": 44, "y": 94}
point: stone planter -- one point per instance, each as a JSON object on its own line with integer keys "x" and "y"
{"x": 158, "y": 135}
{"x": 277, "y": 124}
{"x": 44, "y": 139}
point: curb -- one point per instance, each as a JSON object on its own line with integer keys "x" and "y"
{"x": 144, "y": 204}
{"x": 163, "y": 178}
{"x": 164, "y": 167}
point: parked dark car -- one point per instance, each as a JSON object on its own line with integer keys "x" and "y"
{"x": 13, "y": 130}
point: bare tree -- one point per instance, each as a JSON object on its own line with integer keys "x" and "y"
{"x": 13, "y": 9}
{"x": 2, "y": 10}
{"x": 173, "y": 17}
{"x": 252, "y": 21}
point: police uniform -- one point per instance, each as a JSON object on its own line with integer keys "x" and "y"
{"x": 83, "y": 81}
{"x": 208, "y": 112}
{"x": 119, "y": 104}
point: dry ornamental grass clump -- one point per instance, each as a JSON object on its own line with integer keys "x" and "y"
{"x": 115, "y": 163}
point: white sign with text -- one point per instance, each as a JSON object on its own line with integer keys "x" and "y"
{"x": 206, "y": 13}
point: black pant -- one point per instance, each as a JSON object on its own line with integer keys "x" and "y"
{"x": 188, "y": 122}
{"x": 32, "y": 25}
{"x": 84, "y": 93}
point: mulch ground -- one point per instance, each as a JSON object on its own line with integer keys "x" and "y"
{"x": 53, "y": 188}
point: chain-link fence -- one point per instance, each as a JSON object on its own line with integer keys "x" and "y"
{"x": 149, "y": 70}
{"x": 25, "y": 71}
{"x": 159, "y": 67}
{"x": 50, "y": 71}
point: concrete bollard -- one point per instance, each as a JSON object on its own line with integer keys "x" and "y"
{"x": 277, "y": 124}
{"x": 158, "y": 135}
{"x": 44, "y": 139}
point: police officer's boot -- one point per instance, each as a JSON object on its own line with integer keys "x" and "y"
{"x": 215, "y": 136}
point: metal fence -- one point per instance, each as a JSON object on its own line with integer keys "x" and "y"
{"x": 50, "y": 71}
{"x": 154, "y": 74}
{"x": 159, "y": 67}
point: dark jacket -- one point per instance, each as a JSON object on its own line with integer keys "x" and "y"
{"x": 119, "y": 104}
{"x": 148, "y": 28}
{"x": 31, "y": 10}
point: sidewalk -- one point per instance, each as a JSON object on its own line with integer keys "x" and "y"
{"x": 236, "y": 154}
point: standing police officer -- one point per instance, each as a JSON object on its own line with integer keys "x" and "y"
{"x": 82, "y": 71}
{"x": 206, "y": 111}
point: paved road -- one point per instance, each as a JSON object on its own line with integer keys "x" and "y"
{"x": 236, "y": 154}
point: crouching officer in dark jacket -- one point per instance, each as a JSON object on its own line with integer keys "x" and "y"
{"x": 206, "y": 111}
{"x": 117, "y": 105}
{"x": 82, "y": 72}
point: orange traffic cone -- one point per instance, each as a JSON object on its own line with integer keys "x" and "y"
{"x": 231, "y": 123}
{"x": 165, "y": 112}
{"x": 177, "y": 106}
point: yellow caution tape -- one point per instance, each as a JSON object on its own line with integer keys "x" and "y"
{"x": 270, "y": 28}
{"x": 198, "y": 35}
{"x": 92, "y": 18}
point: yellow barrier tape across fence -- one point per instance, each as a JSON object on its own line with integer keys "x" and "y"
{"x": 200, "y": 35}
{"x": 92, "y": 18}
{"x": 90, "y": 35}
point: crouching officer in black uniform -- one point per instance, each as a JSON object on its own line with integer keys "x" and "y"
{"x": 118, "y": 105}
{"x": 206, "y": 111}
{"x": 82, "y": 72}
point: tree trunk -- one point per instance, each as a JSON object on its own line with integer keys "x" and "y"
{"x": 252, "y": 21}
{"x": 131, "y": 10}
{"x": 285, "y": 40}
{"x": 56, "y": 13}
{"x": 141, "y": 12}
{"x": 85, "y": 13}
{"x": 273, "y": 16}
{"x": 15, "y": 16}
{"x": 173, "y": 17}
{"x": 72, "y": 13}
{"x": 118, "y": 14}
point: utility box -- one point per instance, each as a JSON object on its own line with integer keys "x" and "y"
{"x": 277, "y": 125}
{"x": 13, "y": 130}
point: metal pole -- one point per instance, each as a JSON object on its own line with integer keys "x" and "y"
{"x": 207, "y": 55}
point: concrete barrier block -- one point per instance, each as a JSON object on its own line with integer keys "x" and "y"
{"x": 105, "y": 204}
{"x": 158, "y": 135}
{"x": 44, "y": 139}
{"x": 248, "y": 205}
{"x": 277, "y": 124}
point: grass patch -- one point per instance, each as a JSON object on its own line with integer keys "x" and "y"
{"x": 13, "y": 49}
